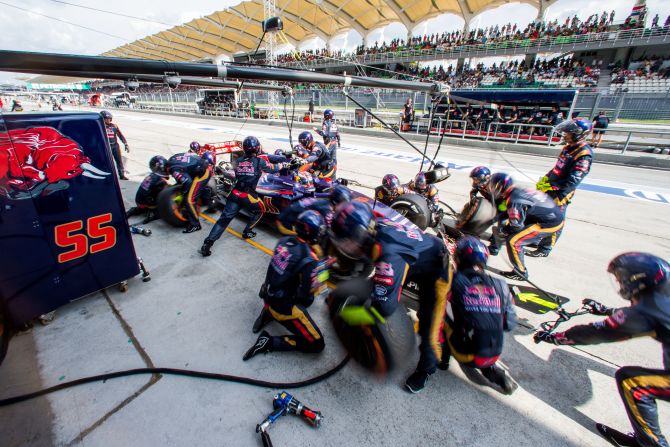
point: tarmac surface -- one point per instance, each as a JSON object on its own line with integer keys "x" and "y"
{"x": 197, "y": 314}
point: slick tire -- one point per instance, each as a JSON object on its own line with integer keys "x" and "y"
{"x": 476, "y": 217}
{"x": 170, "y": 207}
{"x": 413, "y": 207}
{"x": 382, "y": 347}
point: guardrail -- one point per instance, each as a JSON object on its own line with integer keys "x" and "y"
{"x": 653, "y": 141}
{"x": 514, "y": 132}
{"x": 558, "y": 44}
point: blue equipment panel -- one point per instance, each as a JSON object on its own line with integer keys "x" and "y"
{"x": 63, "y": 228}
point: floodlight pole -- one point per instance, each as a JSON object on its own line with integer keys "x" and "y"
{"x": 269, "y": 11}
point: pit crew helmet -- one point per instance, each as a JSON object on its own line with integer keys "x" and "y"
{"x": 500, "y": 185}
{"x": 420, "y": 183}
{"x": 328, "y": 114}
{"x": 310, "y": 226}
{"x": 339, "y": 194}
{"x": 301, "y": 151}
{"x": 352, "y": 230}
{"x": 306, "y": 139}
{"x": 639, "y": 272}
{"x": 251, "y": 146}
{"x": 480, "y": 176}
{"x": 158, "y": 165}
{"x": 209, "y": 157}
{"x": 578, "y": 127}
{"x": 194, "y": 147}
{"x": 106, "y": 115}
{"x": 471, "y": 252}
{"x": 390, "y": 182}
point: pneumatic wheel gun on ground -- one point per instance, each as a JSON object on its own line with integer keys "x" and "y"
{"x": 284, "y": 403}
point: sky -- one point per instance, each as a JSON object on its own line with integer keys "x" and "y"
{"x": 24, "y": 25}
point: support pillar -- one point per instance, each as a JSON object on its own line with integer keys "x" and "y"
{"x": 459, "y": 64}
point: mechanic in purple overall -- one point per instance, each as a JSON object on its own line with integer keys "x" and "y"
{"x": 325, "y": 207}
{"x": 294, "y": 277}
{"x": 572, "y": 166}
{"x": 113, "y": 136}
{"x": 329, "y": 130}
{"x": 482, "y": 309}
{"x": 151, "y": 186}
{"x": 480, "y": 177}
{"x": 644, "y": 280}
{"x": 192, "y": 173}
{"x": 419, "y": 185}
{"x": 398, "y": 253}
{"x": 248, "y": 170}
{"x": 529, "y": 217}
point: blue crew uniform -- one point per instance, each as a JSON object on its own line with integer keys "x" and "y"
{"x": 289, "y": 215}
{"x": 639, "y": 387}
{"x": 330, "y": 132}
{"x": 248, "y": 171}
{"x": 293, "y": 279}
{"x": 114, "y": 135}
{"x": 192, "y": 173}
{"x": 323, "y": 160}
{"x": 404, "y": 253}
{"x": 531, "y": 217}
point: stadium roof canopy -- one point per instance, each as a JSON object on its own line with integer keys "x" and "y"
{"x": 238, "y": 28}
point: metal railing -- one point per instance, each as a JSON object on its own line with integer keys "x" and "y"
{"x": 653, "y": 141}
{"x": 557, "y": 44}
{"x": 489, "y": 131}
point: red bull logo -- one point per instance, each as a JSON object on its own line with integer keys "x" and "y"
{"x": 39, "y": 161}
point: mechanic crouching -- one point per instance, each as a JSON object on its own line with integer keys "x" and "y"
{"x": 248, "y": 171}
{"x": 147, "y": 194}
{"x": 321, "y": 158}
{"x": 419, "y": 185}
{"x": 294, "y": 277}
{"x": 389, "y": 190}
{"x": 482, "y": 308}
{"x": 325, "y": 207}
{"x": 398, "y": 253}
{"x": 529, "y": 217}
{"x": 644, "y": 280}
{"x": 192, "y": 173}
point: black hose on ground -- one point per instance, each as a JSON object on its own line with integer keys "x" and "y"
{"x": 176, "y": 372}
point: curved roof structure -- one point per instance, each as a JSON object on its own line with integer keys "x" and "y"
{"x": 238, "y": 28}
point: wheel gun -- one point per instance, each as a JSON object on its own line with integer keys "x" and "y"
{"x": 284, "y": 403}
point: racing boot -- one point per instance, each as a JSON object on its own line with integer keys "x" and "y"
{"x": 262, "y": 345}
{"x": 134, "y": 211}
{"x": 206, "y": 249}
{"x": 192, "y": 228}
{"x": 498, "y": 376}
{"x": 151, "y": 216}
{"x": 248, "y": 234}
{"x": 417, "y": 381}
{"x": 263, "y": 319}
{"x": 537, "y": 253}
{"x": 615, "y": 437}
{"x": 515, "y": 275}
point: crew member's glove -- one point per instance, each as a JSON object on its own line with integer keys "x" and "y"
{"x": 543, "y": 184}
{"x": 544, "y": 336}
{"x": 127, "y": 147}
{"x": 285, "y": 165}
{"x": 596, "y": 308}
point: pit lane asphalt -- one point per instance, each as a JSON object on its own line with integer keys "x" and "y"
{"x": 197, "y": 313}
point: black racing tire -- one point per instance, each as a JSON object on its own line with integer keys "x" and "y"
{"x": 414, "y": 207}
{"x": 476, "y": 217}
{"x": 437, "y": 174}
{"x": 170, "y": 208}
{"x": 381, "y": 347}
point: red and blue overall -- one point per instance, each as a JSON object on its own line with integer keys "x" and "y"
{"x": 113, "y": 136}
{"x": 147, "y": 194}
{"x": 401, "y": 254}
{"x": 323, "y": 161}
{"x": 289, "y": 215}
{"x": 192, "y": 173}
{"x": 482, "y": 309}
{"x": 572, "y": 166}
{"x": 330, "y": 132}
{"x": 248, "y": 170}
{"x": 293, "y": 279}
{"x": 639, "y": 387}
{"x": 531, "y": 218}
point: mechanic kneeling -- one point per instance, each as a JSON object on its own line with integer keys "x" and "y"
{"x": 325, "y": 207}
{"x": 389, "y": 190}
{"x": 399, "y": 253}
{"x": 530, "y": 216}
{"x": 482, "y": 308}
{"x": 192, "y": 173}
{"x": 151, "y": 186}
{"x": 420, "y": 186}
{"x": 644, "y": 280}
{"x": 294, "y": 277}
{"x": 248, "y": 171}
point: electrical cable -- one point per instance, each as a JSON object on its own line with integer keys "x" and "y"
{"x": 113, "y": 13}
{"x": 176, "y": 372}
{"x": 65, "y": 21}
